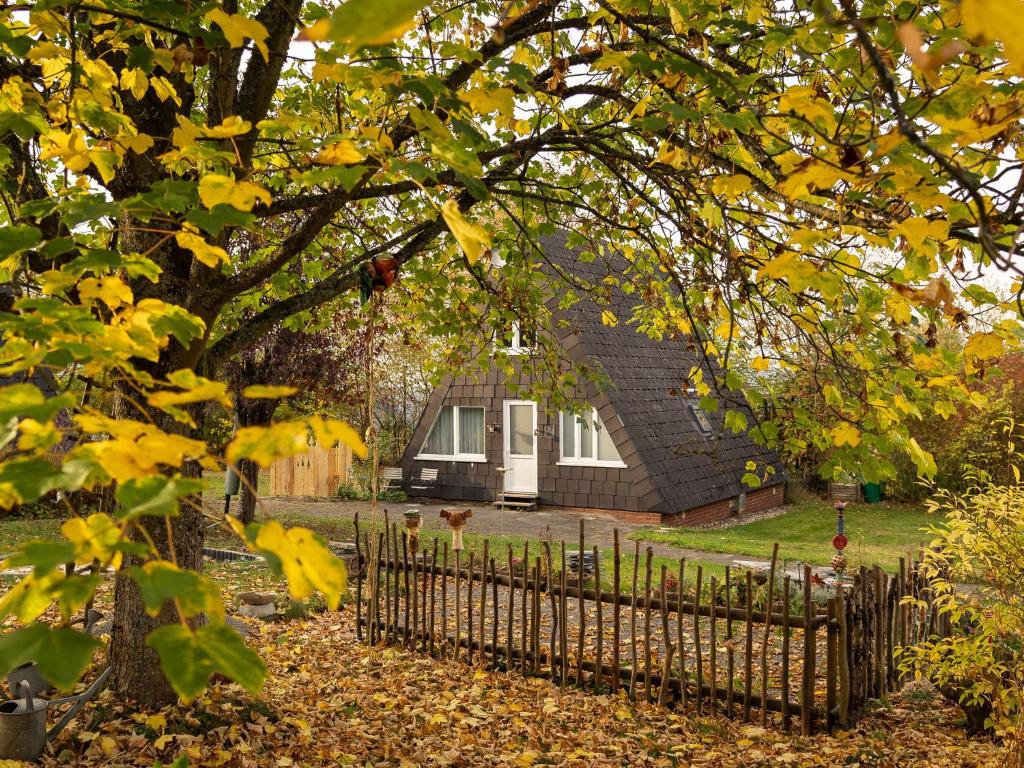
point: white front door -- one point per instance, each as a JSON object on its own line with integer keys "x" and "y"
{"x": 520, "y": 437}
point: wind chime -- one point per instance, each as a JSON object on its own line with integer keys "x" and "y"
{"x": 839, "y": 541}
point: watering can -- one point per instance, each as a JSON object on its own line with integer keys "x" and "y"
{"x": 23, "y": 733}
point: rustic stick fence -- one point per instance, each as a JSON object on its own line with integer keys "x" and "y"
{"x": 736, "y": 646}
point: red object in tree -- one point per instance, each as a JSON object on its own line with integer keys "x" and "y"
{"x": 839, "y": 541}
{"x": 385, "y": 271}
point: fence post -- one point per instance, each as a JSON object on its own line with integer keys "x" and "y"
{"x": 730, "y": 656}
{"x": 433, "y": 592}
{"x": 632, "y": 624}
{"x": 786, "y": 631}
{"x": 843, "y": 652}
{"x": 554, "y": 608}
{"x": 698, "y": 658}
{"x": 509, "y": 629}
{"x": 831, "y": 665}
{"x": 767, "y": 632}
{"x": 647, "y": 624}
{"x": 616, "y": 618}
{"x": 713, "y": 646}
{"x": 807, "y": 700}
{"x": 469, "y": 610}
{"x": 583, "y": 617}
{"x": 599, "y": 628}
{"x": 359, "y": 580}
{"x": 484, "y": 559}
{"x": 748, "y": 649}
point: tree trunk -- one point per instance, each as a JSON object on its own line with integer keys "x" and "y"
{"x": 136, "y": 667}
{"x": 250, "y": 474}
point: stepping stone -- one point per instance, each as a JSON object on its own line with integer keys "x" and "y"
{"x": 261, "y": 611}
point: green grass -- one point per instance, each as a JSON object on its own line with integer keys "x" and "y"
{"x": 16, "y": 531}
{"x": 879, "y": 534}
{"x": 213, "y": 483}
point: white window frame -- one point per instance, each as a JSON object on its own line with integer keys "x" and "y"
{"x": 578, "y": 460}
{"x": 704, "y": 424}
{"x": 476, "y": 458}
{"x": 516, "y": 346}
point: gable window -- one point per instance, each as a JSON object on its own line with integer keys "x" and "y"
{"x": 518, "y": 340}
{"x": 703, "y": 422}
{"x": 585, "y": 440}
{"x": 457, "y": 434}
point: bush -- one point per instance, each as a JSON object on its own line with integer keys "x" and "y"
{"x": 352, "y": 492}
{"x": 980, "y": 666}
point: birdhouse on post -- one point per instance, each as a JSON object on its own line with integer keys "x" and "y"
{"x": 456, "y": 521}
{"x": 413, "y": 522}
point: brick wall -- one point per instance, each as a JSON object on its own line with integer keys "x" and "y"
{"x": 756, "y": 501}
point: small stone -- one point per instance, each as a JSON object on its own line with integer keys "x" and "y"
{"x": 239, "y": 626}
{"x": 257, "y": 598}
{"x": 262, "y": 611}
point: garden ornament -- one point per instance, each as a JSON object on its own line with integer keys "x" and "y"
{"x": 456, "y": 521}
{"x": 413, "y": 521}
{"x": 839, "y": 541}
{"x": 23, "y": 733}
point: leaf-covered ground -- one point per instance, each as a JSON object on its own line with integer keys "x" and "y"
{"x": 332, "y": 701}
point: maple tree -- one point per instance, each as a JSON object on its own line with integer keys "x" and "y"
{"x": 181, "y": 179}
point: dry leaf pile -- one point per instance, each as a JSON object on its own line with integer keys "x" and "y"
{"x": 334, "y": 702}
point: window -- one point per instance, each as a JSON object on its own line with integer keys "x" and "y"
{"x": 585, "y": 440}
{"x": 457, "y": 433}
{"x": 518, "y": 341}
{"x": 703, "y": 422}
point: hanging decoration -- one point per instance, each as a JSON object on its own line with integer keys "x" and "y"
{"x": 378, "y": 274}
{"x": 839, "y": 541}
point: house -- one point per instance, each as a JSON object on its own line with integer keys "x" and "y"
{"x": 644, "y": 451}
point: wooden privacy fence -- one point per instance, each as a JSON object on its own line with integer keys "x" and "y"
{"x": 720, "y": 650}
{"x": 318, "y": 472}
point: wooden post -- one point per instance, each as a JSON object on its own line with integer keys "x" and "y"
{"x": 786, "y": 631}
{"x": 583, "y": 617}
{"x": 600, "y": 620}
{"x": 433, "y": 592}
{"x": 537, "y": 614}
{"x": 415, "y": 599}
{"x": 713, "y": 647}
{"x": 483, "y": 603}
{"x": 632, "y": 625}
{"x": 843, "y": 651}
{"x": 359, "y": 580}
{"x": 807, "y": 699}
{"x": 647, "y": 624}
{"x": 616, "y": 618}
{"x": 388, "y": 624}
{"x": 423, "y": 596}
{"x": 458, "y": 601}
{"x": 683, "y": 682}
{"x": 698, "y": 660}
{"x": 563, "y": 631}
{"x": 469, "y": 610}
{"x": 509, "y": 629}
{"x": 554, "y": 610}
{"x": 444, "y": 598}
{"x": 494, "y": 618}
{"x": 397, "y": 582}
{"x": 881, "y": 688}
{"x": 666, "y": 668}
{"x": 730, "y": 654}
{"x": 525, "y": 608}
{"x": 767, "y": 635}
{"x": 405, "y": 579}
{"x": 375, "y": 626}
{"x": 748, "y": 672}
{"x": 831, "y": 658}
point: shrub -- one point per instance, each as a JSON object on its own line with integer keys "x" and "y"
{"x": 980, "y": 666}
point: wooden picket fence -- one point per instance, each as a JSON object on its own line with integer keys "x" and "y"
{"x": 714, "y": 651}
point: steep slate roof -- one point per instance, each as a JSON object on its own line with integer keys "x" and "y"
{"x": 688, "y": 468}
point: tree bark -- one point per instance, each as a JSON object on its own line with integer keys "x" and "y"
{"x": 137, "y": 674}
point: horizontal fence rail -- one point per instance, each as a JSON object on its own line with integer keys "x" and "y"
{"x": 752, "y": 646}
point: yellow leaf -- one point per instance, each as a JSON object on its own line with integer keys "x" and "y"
{"x": 329, "y": 432}
{"x": 801, "y": 100}
{"x": 232, "y": 126}
{"x": 898, "y": 308}
{"x": 237, "y": 27}
{"x": 110, "y": 290}
{"x": 94, "y": 538}
{"x": 269, "y": 392}
{"x": 983, "y": 346}
{"x": 306, "y": 561}
{"x": 845, "y": 433}
{"x": 730, "y": 187}
{"x": 472, "y": 238}
{"x": 134, "y": 80}
{"x": 1001, "y": 20}
{"x": 210, "y": 255}
{"x": 623, "y": 714}
{"x": 483, "y": 101}
{"x": 341, "y": 153}
{"x": 918, "y": 231}
{"x": 815, "y": 175}
{"x": 760, "y": 364}
{"x": 215, "y": 189}
{"x": 266, "y": 444}
{"x": 608, "y": 318}
{"x": 156, "y": 722}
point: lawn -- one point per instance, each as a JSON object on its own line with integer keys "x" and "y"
{"x": 879, "y": 534}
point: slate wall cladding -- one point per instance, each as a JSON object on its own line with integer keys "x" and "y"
{"x": 675, "y": 471}
{"x": 557, "y": 484}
